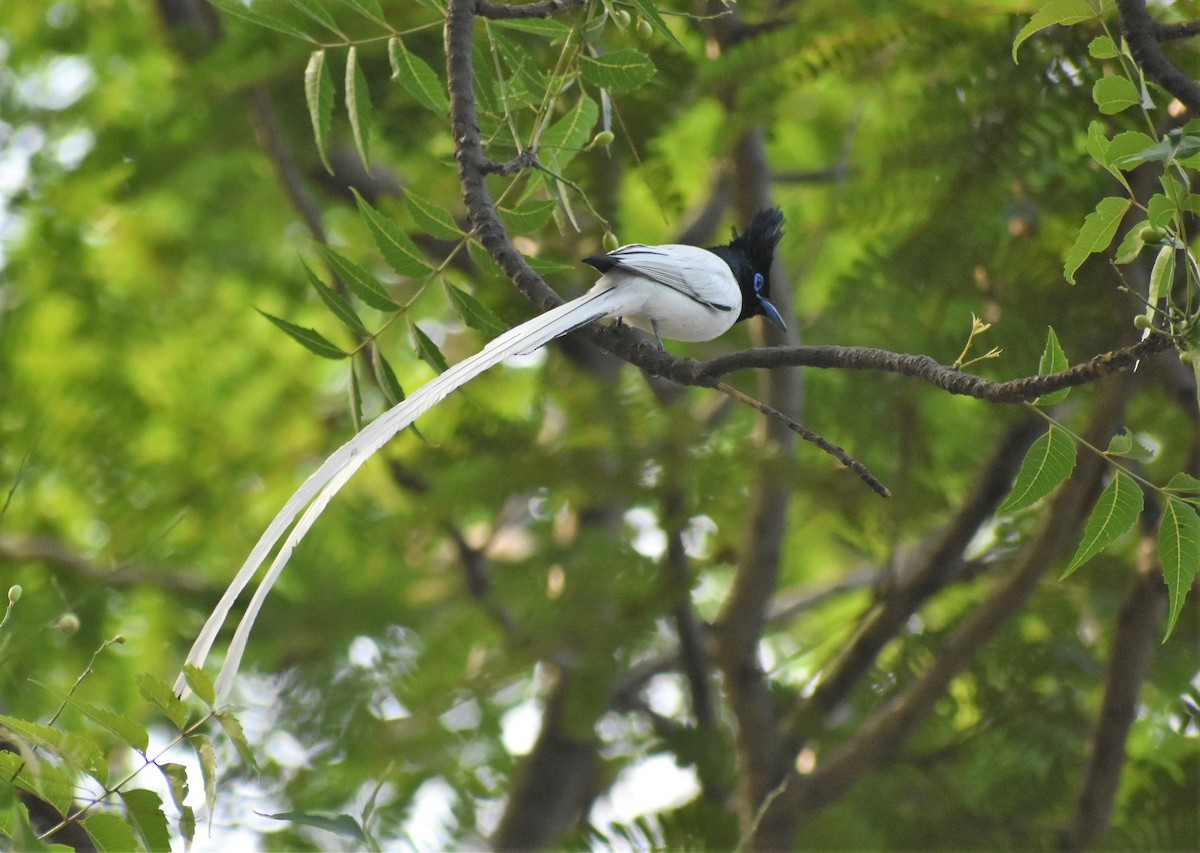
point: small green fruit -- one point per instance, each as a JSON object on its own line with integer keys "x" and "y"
{"x": 1141, "y": 321}
{"x": 622, "y": 18}
{"x": 1151, "y": 234}
{"x": 644, "y": 30}
{"x": 14, "y": 593}
{"x": 604, "y": 139}
{"x": 68, "y": 623}
{"x": 610, "y": 242}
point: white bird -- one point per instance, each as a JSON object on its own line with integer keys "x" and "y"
{"x": 684, "y": 293}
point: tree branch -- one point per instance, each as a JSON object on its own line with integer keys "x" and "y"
{"x": 927, "y": 370}
{"x": 1169, "y": 32}
{"x": 541, "y": 9}
{"x": 810, "y": 436}
{"x": 1143, "y": 34}
{"x": 1133, "y": 646}
{"x": 556, "y": 782}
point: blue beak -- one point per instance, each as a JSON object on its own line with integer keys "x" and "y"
{"x": 770, "y": 312}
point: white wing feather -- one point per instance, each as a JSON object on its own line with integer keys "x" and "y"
{"x": 694, "y": 272}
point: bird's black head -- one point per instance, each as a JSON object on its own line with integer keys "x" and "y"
{"x": 749, "y": 255}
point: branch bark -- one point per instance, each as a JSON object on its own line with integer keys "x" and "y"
{"x": 1143, "y": 35}
{"x": 1133, "y": 645}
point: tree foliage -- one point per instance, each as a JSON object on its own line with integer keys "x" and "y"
{"x": 234, "y": 233}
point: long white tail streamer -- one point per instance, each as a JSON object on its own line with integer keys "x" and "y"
{"x": 319, "y": 489}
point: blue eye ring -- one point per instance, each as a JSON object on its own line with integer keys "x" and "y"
{"x": 758, "y": 284}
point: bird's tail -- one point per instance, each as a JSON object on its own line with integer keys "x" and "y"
{"x": 319, "y": 489}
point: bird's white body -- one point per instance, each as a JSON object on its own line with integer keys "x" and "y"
{"x": 684, "y": 293}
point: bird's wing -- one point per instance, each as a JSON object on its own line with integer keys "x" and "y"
{"x": 696, "y": 273}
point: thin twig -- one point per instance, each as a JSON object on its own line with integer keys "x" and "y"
{"x": 808, "y": 435}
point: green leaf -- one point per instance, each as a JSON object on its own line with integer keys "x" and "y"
{"x": 1126, "y": 148}
{"x": 1064, "y": 12}
{"x": 253, "y": 14}
{"x": 545, "y": 27}
{"x": 318, "y": 94}
{"x": 208, "y": 767}
{"x": 1103, "y": 47}
{"x": 473, "y": 312}
{"x": 310, "y": 339}
{"x": 41, "y": 778}
{"x": 526, "y": 82}
{"x": 355, "y": 400}
{"x": 1120, "y": 444}
{"x": 1049, "y": 461}
{"x": 1097, "y": 233}
{"x": 369, "y": 9}
{"x": 1179, "y": 550}
{"x": 1162, "y": 275}
{"x": 528, "y": 215}
{"x": 431, "y": 218}
{"x": 417, "y": 78}
{"x": 78, "y": 752}
{"x": 397, "y": 248}
{"x": 177, "y": 784}
{"x": 1183, "y": 484}
{"x": 315, "y": 10}
{"x": 619, "y": 71}
{"x": 128, "y": 731}
{"x": 1114, "y": 94}
{"x": 426, "y": 349}
{"x": 342, "y": 825}
{"x": 1156, "y": 151}
{"x": 187, "y": 823}
{"x": 386, "y": 377}
{"x": 358, "y": 105}
{"x": 16, "y": 831}
{"x": 1116, "y": 512}
{"x": 567, "y": 136}
{"x": 110, "y": 832}
{"x": 233, "y": 727}
{"x": 340, "y": 308}
{"x": 1097, "y": 143}
{"x": 361, "y": 283}
{"x": 649, "y": 10}
{"x": 146, "y": 814}
{"x": 1053, "y": 360}
{"x": 549, "y": 266}
{"x": 200, "y": 684}
{"x": 1131, "y": 244}
{"x": 1160, "y": 210}
{"x": 159, "y": 693}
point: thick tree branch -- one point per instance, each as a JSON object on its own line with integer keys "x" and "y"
{"x": 927, "y": 370}
{"x": 556, "y": 783}
{"x": 1133, "y": 646}
{"x": 541, "y": 9}
{"x": 1169, "y": 32}
{"x": 693, "y": 648}
{"x": 1143, "y": 33}
{"x": 743, "y": 615}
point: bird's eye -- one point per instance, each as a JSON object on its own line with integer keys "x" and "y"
{"x": 758, "y": 284}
